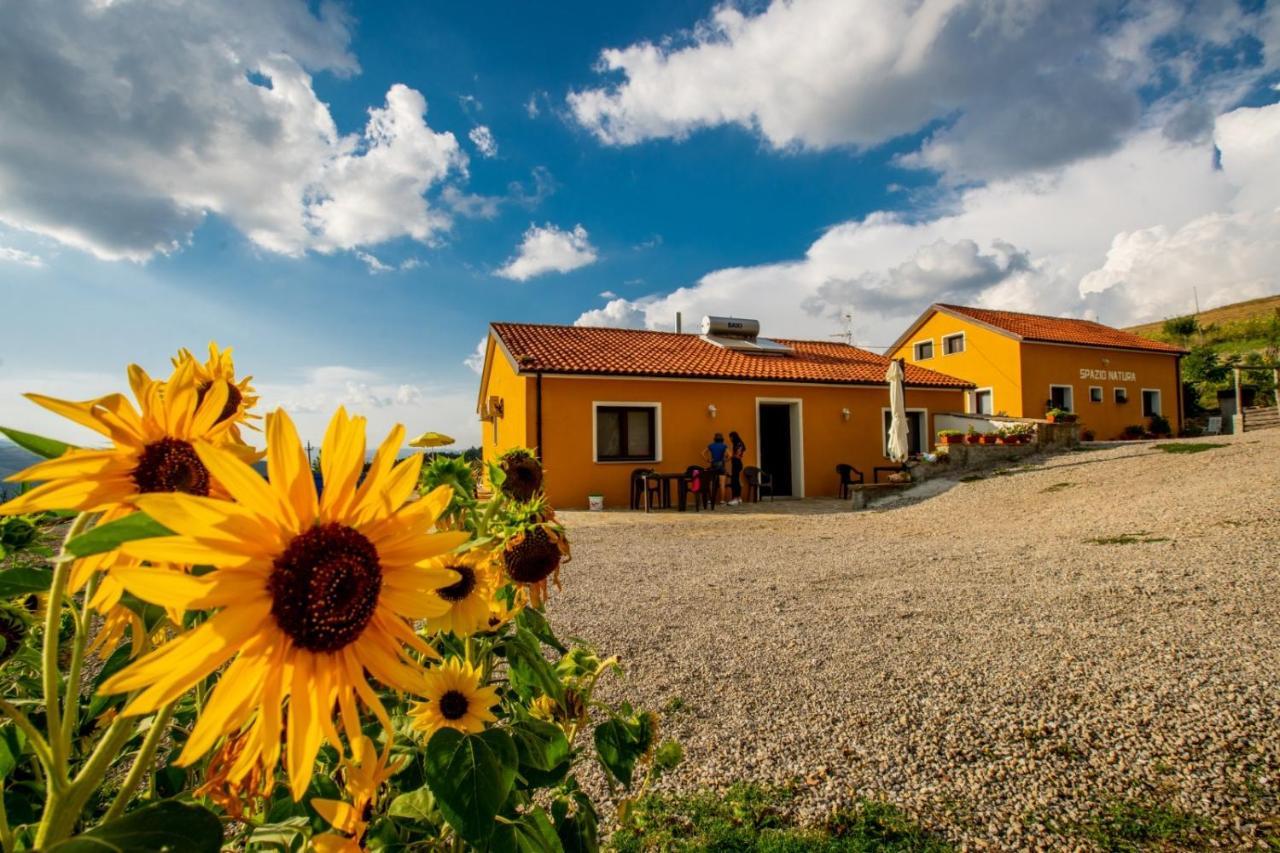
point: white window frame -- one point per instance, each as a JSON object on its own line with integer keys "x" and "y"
{"x": 973, "y": 406}
{"x": 595, "y": 431}
{"x": 925, "y": 441}
{"x": 915, "y": 349}
{"x": 1159, "y": 401}
{"x": 1118, "y": 390}
{"x": 1102, "y": 398}
{"x": 797, "y": 440}
{"x": 964, "y": 344}
{"x": 1071, "y": 396}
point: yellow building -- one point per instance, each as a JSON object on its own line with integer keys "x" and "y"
{"x": 598, "y": 403}
{"x": 1024, "y": 364}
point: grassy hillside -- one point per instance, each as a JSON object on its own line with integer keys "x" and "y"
{"x": 1240, "y": 327}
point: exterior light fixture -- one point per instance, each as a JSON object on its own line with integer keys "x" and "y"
{"x": 844, "y": 413}
{"x": 711, "y": 410}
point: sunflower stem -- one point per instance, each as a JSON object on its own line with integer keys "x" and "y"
{"x": 71, "y": 700}
{"x": 141, "y": 762}
{"x": 62, "y": 809}
{"x": 39, "y": 745}
{"x": 59, "y": 747}
{"x": 6, "y": 834}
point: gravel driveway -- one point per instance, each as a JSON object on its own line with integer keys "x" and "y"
{"x": 974, "y": 658}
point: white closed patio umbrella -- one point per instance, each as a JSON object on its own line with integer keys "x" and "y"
{"x": 897, "y": 413}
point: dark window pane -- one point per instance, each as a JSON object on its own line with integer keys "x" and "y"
{"x": 639, "y": 435}
{"x": 982, "y": 403}
{"x": 608, "y": 433}
{"x": 953, "y": 345}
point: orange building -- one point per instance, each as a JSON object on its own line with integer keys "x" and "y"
{"x": 598, "y": 403}
{"x": 1024, "y": 364}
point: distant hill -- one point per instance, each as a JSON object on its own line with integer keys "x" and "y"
{"x": 1235, "y": 312}
{"x": 12, "y": 460}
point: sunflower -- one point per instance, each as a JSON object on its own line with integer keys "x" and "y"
{"x": 220, "y": 368}
{"x": 467, "y": 599}
{"x": 454, "y": 699}
{"x": 501, "y": 611}
{"x": 534, "y": 545}
{"x": 523, "y": 474}
{"x": 365, "y": 772}
{"x": 310, "y": 593}
{"x": 153, "y": 449}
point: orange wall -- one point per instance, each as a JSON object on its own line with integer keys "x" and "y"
{"x": 1045, "y": 364}
{"x": 990, "y": 360}
{"x": 686, "y": 428}
{"x": 515, "y": 427}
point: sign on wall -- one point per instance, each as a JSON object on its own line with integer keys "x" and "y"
{"x": 1110, "y": 375}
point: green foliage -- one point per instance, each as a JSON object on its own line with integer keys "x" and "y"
{"x": 1180, "y": 328}
{"x": 1127, "y": 826}
{"x": 39, "y": 445}
{"x": 1159, "y": 425}
{"x": 112, "y": 535}
{"x": 624, "y": 740}
{"x": 471, "y": 776}
{"x": 455, "y": 472}
{"x": 754, "y": 818}
{"x": 1137, "y": 537}
{"x": 167, "y": 825}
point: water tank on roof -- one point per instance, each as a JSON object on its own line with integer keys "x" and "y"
{"x": 730, "y": 327}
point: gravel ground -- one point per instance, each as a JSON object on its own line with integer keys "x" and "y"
{"x": 973, "y": 658}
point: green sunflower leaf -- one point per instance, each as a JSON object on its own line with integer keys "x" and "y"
{"x": 471, "y": 776}
{"x": 112, "y": 535}
{"x": 24, "y": 581}
{"x": 529, "y": 669}
{"x": 543, "y": 750}
{"x": 48, "y": 448}
{"x": 167, "y": 825}
{"x": 622, "y": 741}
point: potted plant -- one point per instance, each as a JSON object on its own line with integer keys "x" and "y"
{"x": 971, "y": 436}
{"x": 950, "y": 436}
{"x": 1059, "y": 416}
{"x": 987, "y": 438}
{"x": 1087, "y": 435}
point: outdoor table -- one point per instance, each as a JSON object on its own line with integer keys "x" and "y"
{"x": 665, "y": 480}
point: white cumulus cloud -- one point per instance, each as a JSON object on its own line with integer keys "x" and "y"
{"x": 482, "y": 138}
{"x": 1010, "y": 85}
{"x": 145, "y": 117}
{"x": 8, "y": 254}
{"x": 546, "y": 249}
{"x": 1124, "y": 237}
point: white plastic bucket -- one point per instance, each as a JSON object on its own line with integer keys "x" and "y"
{"x": 595, "y": 503}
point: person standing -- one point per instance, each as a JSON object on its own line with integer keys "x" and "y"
{"x": 715, "y": 456}
{"x": 737, "y": 452}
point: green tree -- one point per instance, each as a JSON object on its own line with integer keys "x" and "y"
{"x": 1181, "y": 328}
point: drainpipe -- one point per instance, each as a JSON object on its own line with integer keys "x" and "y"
{"x": 538, "y": 416}
{"x": 1177, "y": 371}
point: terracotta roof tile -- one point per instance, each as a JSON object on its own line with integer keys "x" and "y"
{"x": 637, "y": 352}
{"x": 1060, "y": 330}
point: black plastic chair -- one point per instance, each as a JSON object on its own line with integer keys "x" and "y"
{"x": 757, "y": 481}
{"x": 704, "y": 494}
{"x": 849, "y": 477}
{"x": 640, "y": 483}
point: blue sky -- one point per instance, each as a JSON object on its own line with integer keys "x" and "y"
{"x": 348, "y": 194}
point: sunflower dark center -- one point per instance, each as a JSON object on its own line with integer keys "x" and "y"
{"x": 524, "y": 476}
{"x": 458, "y": 591}
{"x": 171, "y": 465}
{"x": 229, "y": 408}
{"x": 324, "y": 587}
{"x": 453, "y": 705}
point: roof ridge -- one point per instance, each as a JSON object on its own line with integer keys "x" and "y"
{"x": 1029, "y": 314}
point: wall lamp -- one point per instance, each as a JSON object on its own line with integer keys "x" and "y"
{"x": 711, "y": 410}
{"x": 844, "y": 413}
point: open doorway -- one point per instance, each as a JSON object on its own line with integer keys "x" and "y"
{"x": 780, "y": 450}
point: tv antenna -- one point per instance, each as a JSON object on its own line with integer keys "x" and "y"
{"x": 847, "y": 334}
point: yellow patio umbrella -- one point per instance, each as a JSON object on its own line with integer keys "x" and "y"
{"x": 432, "y": 439}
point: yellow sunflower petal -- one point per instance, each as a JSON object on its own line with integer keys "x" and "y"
{"x": 183, "y": 549}
{"x": 239, "y": 686}
{"x": 81, "y": 413}
{"x": 304, "y": 730}
{"x": 341, "y": 461}
{"x": 73, "y": 463}
{"x": 244, "y": 483}
{"x": 341, "y": 816}
{"x": 289, "y": 471}
{"x": 179, "y": 590}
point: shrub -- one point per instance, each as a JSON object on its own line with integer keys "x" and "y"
{"x": 1159, "y": 425}
{"x": 1134, "y": 431}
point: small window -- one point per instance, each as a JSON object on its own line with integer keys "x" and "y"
{"x": 626, "y": 434}
{"x": 924, "y": 350}
{"x": 1150, "y": 403}
{"x": 1122, "y": 395}
{"x": 1060, "y": 397}
{"x": 953, "y": 344}
{"x": 982, "y": 402}
{"x": 1095, "y": 393}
